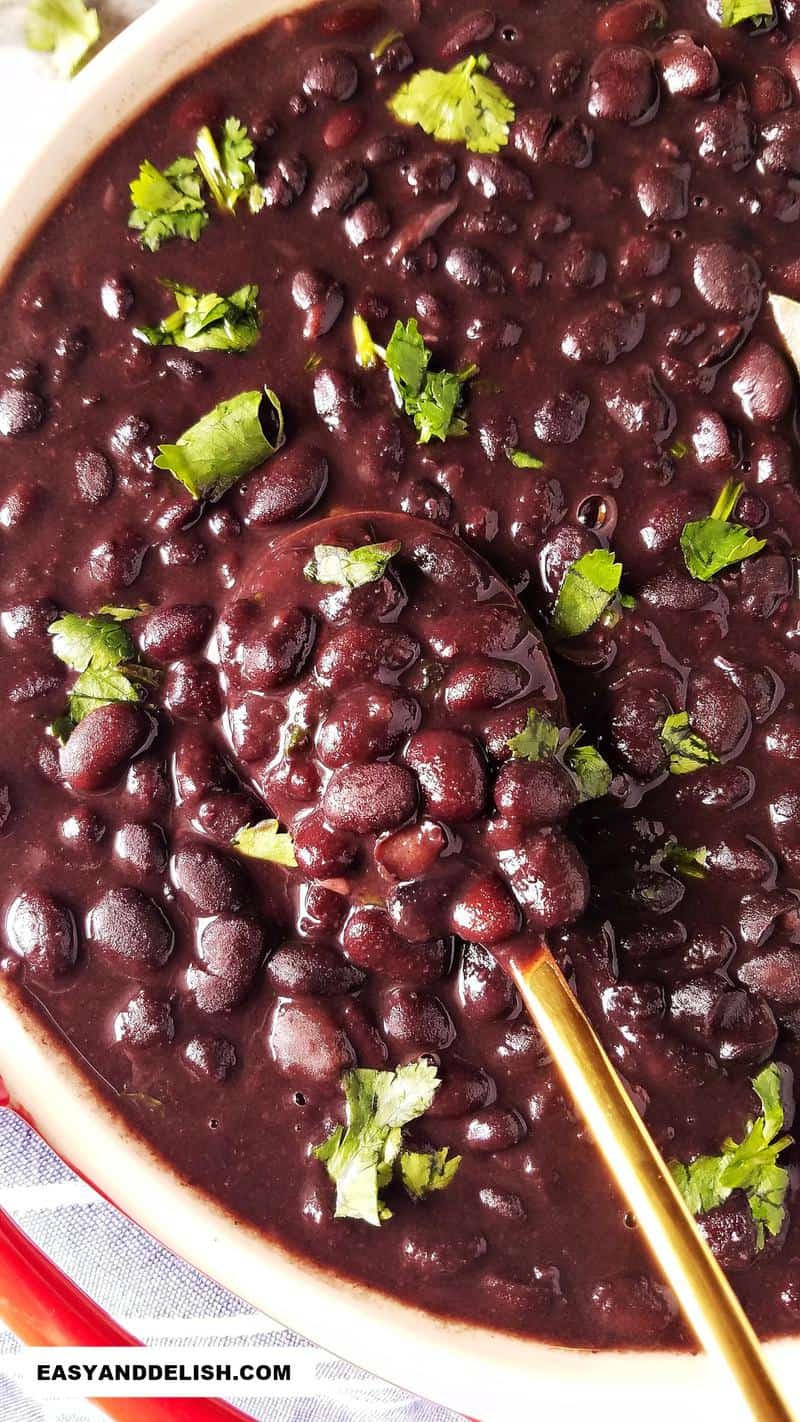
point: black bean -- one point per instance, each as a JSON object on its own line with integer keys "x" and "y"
{"x": 43, "y": 932}
{"x": 101, "y": 745}
{"x": 21, "y": 411}
{"x": 330, "y": 74}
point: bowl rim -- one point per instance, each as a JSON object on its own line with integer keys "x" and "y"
{"x": 476, "y": 1370}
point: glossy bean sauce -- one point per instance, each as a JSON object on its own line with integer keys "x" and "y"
{"x": 607, "y": 271}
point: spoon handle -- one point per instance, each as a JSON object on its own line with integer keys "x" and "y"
{"x": 697, "y": 1280}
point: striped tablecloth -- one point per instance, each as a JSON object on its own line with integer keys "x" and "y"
{"x": 154, "y": 1295}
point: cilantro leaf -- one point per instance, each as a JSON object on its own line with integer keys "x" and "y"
{"x": 168, "y": 204}
{"x": 225, "y": 444}
{"x": 266, "y": 841}
{"x": 687, "y": 750}
{"x": 430, "y": 398}
{"x": 360, "y": 1157}
{"x": 99, "y": 641}
{"x": 228, "y": 167}
{"x": 590, "y": 584}
{"x": 434, "y": 409}
{"x": 99, "y": 688}
{"x": 424, "y": 1171}
{"x": 691, "y": 863}
{"x": 522, "y": 460}
{"x": 457, "y": 106}
{"x": 205, "y": 321}
{"x": 592, "y": 770}
{"x": 350, "y": 567}
{"x": 750, "y": 1165}
{"x": 538, "y": 740}
{"x": 67, "y": 29}
{"x": 733, "y": 12}
{"x": 541, "y": 739}
{"x": 407, "y": 358}
{"x": 713, "y": 543}
{"x": 101, "y": 649}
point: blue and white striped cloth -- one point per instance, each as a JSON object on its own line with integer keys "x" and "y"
{"x": 157, "y": 1297}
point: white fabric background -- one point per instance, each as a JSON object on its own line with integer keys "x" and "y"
{"x": 153, "y": 1294}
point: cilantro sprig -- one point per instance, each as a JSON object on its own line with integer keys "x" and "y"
{"x": 541, "y": 739}
{"x": 733, "y": 12}
{"x": 205, "y": 321}
{"x": 750, "y": 1165}
{"x": 590, "y": 584}
{"x": 228, "y": 166}
{"x": 431, "y": 398}
{"x": 686, "y": 749}
{"x": 350, "y": 567}
{"x": 172, "y": 203}
{"x": 458, "y": 105}
{"x": 266, "y": 841}
{"x": 362, "y": 1156}
{"x": 225, "y": 444}
{"x": 168, "y": 204}
{"x": 713, "y": 543}
{"x": 100, "y": 648}
{"x": 66, "y": 29}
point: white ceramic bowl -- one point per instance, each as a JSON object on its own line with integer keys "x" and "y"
{"x": 484, "y": 1374}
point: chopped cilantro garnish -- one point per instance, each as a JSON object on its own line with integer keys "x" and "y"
{"x": 590, "y": 584}
{"x": 99, "y": 688}
{"x": 225, "y": 444}
{"x": 350, "y": 567}
{"x": 168, "y": 204}
{"x": 204, "y": 321}
{"x": 459, "y": 105}
{"x": 733, "y": 12}
{"x": 713, "y": 543}
{"x": 361, "y": 1157}
{"x": 100, "y": 642}
{"x": 430, "y": 398}
{"x": 592, "y": 770}
{"x": 691, "y": 863}
{"x": 228, "y": 166}
{"x": 101, "y": 649}
{"x": 750, "y": 1164}
{"x": 686, "y": 750}
{"x": 679, "y": 449}
{"x": 522, "y": 460}
{"x": 541, "y": 739}
{"x": 424, "y": 1171}
{"x": 266, "y": 841}
{"x": 67, "y": 29}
